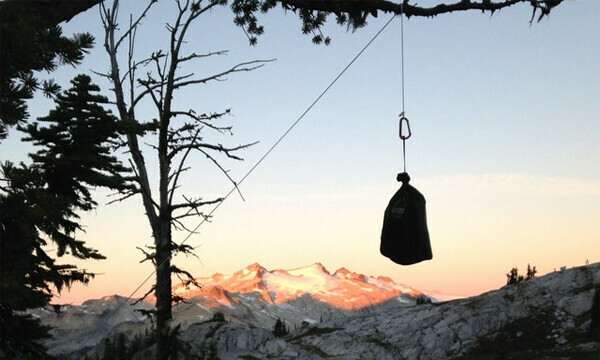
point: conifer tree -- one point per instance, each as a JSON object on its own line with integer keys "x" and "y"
{"x": 121, "y": 347}
{"x": 30, "y": 43}
{"x": 39, "y": 206}
{"x": 109, "y": 352}
{"x": 513, "y": 276}
{"x": 280, "y": 329}
{"x": 531, "y": 271}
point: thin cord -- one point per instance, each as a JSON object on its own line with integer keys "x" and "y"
{"x": 291, "y": 127}
{"x": 402, "y": 81}
{"x": 260, "y": 160}
{"x": 402, "y": 49}
{"x": 404, "y": 152}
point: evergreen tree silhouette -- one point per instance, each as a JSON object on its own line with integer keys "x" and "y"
{"x": 39, "y": 205}
{"x": 31, "y": 43}
{"x": 279, "y": 329}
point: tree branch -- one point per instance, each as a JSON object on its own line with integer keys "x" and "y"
{"x": 194, "y": 204}
{"x": 218, "y": 147}
{"x": 199, "y": 56}
{"x": 224, "y": 172}
{"x": 148, "y": 256}
{"x": 150, "y": 291}
{"x": 205, "y": 118}
{"x": 354, "y": 13}
{"x": 237, "y": 68}
{"x": 134, "y": 26}
{"x": 124, "y": 197}
{"x": 175, "y": 179}
{"x": 372, "y": 6}
{"x": 184, "y": 276}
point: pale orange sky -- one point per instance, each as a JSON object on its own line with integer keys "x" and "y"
{"x": 480, "y": 226}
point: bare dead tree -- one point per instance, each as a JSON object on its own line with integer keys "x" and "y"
{"x": 177, "y": 133}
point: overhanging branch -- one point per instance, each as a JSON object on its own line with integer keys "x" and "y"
{"x": 354, "y": 13}
{"x": 399, "y": 7}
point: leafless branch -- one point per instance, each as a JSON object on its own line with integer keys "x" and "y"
{"x": 131, "y": 63}
{"x": 179, "y": 225}
{"x": 199, "y": 56}
{"x": 150, "y": 291}
{"x": 122, "y": 198}
{"x": 148, "y": 256}
{"x": 219, "y": 77}
{"x": 109, "y": 21}
{"x": 188, "y": 214}
{"x": 226, "y": 172}
{"x": 184, "y": 276}
{"x": 150, "y": 91}
{"x": 134, "y": 26}
{"x": 218, "y": 147}
{"x": 101, "y": 74}
{"x": 175, "y": 179}
{"x": 195, "y": 11}
{"x": 194, "y": 204}
{"x": 184, "y": 249}
{"x": 205, "y": 118}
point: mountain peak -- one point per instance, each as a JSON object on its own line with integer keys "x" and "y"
{"x": 254, "y": 270}
{"x": 341, "y": 271}
{"x": 316, "y": 269}
{"x": 319, "y": 267}
{"x": 114, "y": 297}
{"x": 255, "y": 267}
{"x": 344, "y": 290}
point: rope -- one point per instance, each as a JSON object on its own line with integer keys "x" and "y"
{"x": 288, "y": 130}
{"x": 403, "y": 119}
{"x": 259, "y": 161}
{"x": 404, "y": 153}
{"x": 402, "y": 49}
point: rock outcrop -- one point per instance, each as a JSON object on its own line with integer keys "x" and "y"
{"x": 78, "y": 327}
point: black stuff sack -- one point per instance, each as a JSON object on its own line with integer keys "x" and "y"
{"x": 405, "y": 238}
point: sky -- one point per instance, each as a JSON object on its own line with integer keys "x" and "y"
{"x": 504, "y": 116}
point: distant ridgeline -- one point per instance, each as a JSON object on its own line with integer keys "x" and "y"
{"x": 556, "y": 314}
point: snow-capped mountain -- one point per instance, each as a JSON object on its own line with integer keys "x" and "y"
{"x": 546, "y": 317}
{"x": 556, "y": 316}
{"x": 343, "y": 289}
{"x": 257, "y": 296}
{"x": 252, "y": 296}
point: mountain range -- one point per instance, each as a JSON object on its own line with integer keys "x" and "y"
{"x": 257, "y": 296}
{"x": 251, "y": 296}
{"x": 343, "y": 289}
{"x": 344, "y": 315}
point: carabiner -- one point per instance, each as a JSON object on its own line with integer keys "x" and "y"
{"x": 400, "y": 132}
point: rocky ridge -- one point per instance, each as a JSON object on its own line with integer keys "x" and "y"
{"x": 253, "y": 296}
{"x": 258, "y": 297}
{"x": 555, "y": 316}
{"x": 86, "y": 325}
{"x": 551, "y": 317}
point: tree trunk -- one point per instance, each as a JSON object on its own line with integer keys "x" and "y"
{"x": 163, "y": 293}
{"x": 163, "y": 244}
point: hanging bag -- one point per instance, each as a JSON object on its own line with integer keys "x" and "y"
{"x": 405, "y": 238}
